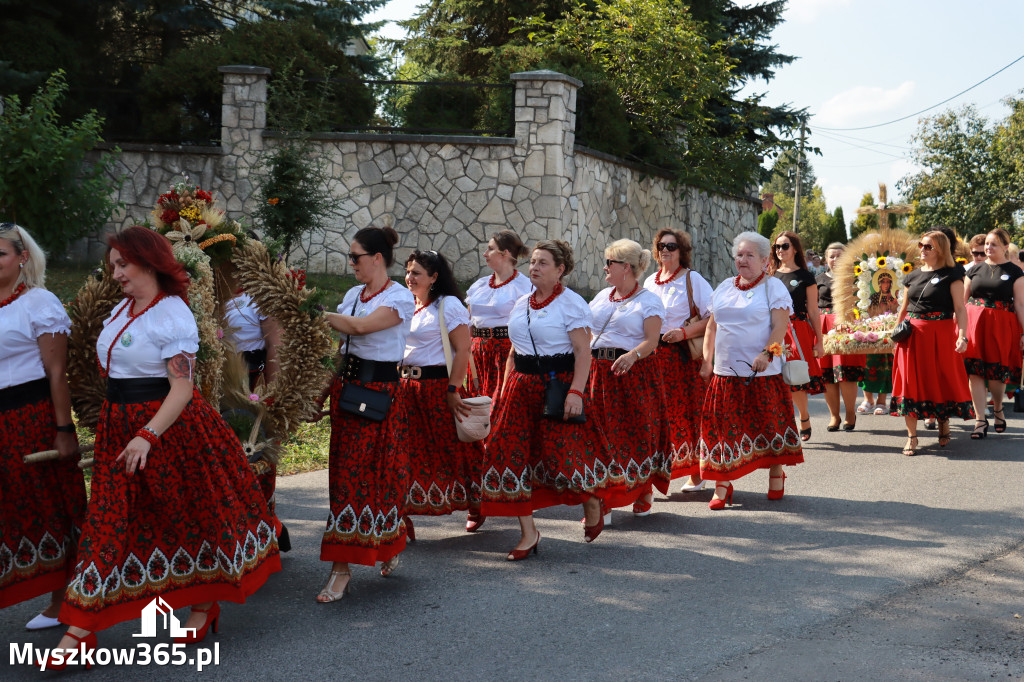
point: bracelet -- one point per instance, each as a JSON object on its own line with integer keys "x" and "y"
{"x": 67, "y": 428}
{"x": 638, "y": 356}
{"x": 147, "y": 434}
{"x": 573, "y": 391}
{"x": 684, "y": 333}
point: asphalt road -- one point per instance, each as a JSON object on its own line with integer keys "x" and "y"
{"x": 873, "y": 566}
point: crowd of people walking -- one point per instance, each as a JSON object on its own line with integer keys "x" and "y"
{"x": 659, "y": 377}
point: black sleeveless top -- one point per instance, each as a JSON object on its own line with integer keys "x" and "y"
{"x": 796, "y": 283}
{"x": 932, "y": 288}
{"x": 994, "y": 283}
{"x": 824, "y": 291}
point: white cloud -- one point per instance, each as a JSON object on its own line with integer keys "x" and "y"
{"x": 807, "y": 11}
{"x": 847, "y": 196}
{"x": 857, "y": 105}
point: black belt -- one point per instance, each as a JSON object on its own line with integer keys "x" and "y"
{"x": 489, "y": 332}
{"x": 543, "y": 364}
{"x": 431, "y": 372}
{"x": 608, "y": 353}
{"x": 369, "y": 371}
{"x": 137, "y": 390}
{"x": 13, "y": 397}
{"x": 256, "y": 359}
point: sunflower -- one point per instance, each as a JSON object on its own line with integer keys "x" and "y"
{"x": 881, "y": 261}
{"x": 907, "y": 267}
{"x": 961, "y": 261}
{"x": 857, "y": 270}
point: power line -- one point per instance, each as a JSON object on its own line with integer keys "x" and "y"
{"x": 866, "y": 141}
{"x": 904, "y": 118}
{"x": 860, "y": 146}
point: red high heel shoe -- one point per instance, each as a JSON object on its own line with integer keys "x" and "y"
{"x": 410, "y": 530}
{"x": 87, "y": 643}
{"x": 777, "y": 494}
{"x": 642, "y": 507}
{"x": 715, "y": 504}
{"x": 212, "y": 618}
{"x": 520, "y": 554}
{"x": 474, "y": 520}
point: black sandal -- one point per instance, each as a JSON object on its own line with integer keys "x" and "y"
{"x": 980, "y": 429}
{"x": 805, "y": 434}
{"x": 910, "y": 449}
{"x": 831, "y": 427}
{"x": 1000, "y": 423}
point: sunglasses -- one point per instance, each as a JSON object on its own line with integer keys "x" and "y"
{"x": 747, "y": 380}
{"x": 668, "y": 246}
{"x": 978, "y": 254}
{"x": 353, "y": 258}
{"x": 608, "y": 262}
{"x": 927, "y": 247}
{"x": 782, "y": 247}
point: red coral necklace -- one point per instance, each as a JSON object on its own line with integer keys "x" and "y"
{"x": 745, "y": 287}
{"x": 659, "y": 281}
{"x": 554, "y": 294}
{"x": 498, "y": 286}
{"x": 381, "y": 291}
{"x": 611, "y": 294}
{"x": 130, "y": 304}
{"x": 18, "y": 291}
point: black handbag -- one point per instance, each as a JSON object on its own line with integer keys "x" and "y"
{"x": 904, "y": 329}
{"x": 556, "y": 390}
{"x": 360, "y": 400}
{"x": 1018, "y": 397}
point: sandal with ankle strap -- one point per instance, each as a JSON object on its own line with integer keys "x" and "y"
{"x": 1000, "y": 421}
{"x": 910, "y": 449}
{"x": 327, "y": 596}
{"x": 805, "y": 434}
{"x": 389, "y": 566}
{"x": 980, "y": 429}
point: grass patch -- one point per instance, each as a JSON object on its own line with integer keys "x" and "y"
{"x": 64, "y": 280}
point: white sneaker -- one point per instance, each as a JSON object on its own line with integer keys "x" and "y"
{"x": 697, "y": 487}
{"x": 41, "y": 622}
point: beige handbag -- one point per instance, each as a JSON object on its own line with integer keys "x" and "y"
{"x": 695, "y": 343}
{"x": 477, "y": 425}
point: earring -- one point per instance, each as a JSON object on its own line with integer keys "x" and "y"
{"x": 21, "y": 266}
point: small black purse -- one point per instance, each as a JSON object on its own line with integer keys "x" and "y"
{"x": 904, "y": 329}
{"x": 556, "y": 390}
{"x": 359, "y": 400}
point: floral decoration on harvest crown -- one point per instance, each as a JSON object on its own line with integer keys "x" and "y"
{"x": 187, "y": 216}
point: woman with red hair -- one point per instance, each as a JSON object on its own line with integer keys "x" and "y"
{"x": 175, "y": 512}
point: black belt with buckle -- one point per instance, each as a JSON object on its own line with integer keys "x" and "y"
{"x": 608, "y": 353}
{"x": 28, "y": 393}
{"x": 431, "y": 372}
{"x": 489, "y": 332}
{"x": 544, "y": 364}
{"x": 142, "y": 390}
{"x": 368, "y": 371}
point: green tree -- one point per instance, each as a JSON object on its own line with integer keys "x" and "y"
{"x": 766, "y": 223}
{"x": 813, "y": 217}
{"x": 835, "y": 228}
{"x": 867, "y": 222}
{"x": 1008, "y": 147}
{"x": 962, "y": 181}
{"x": 44, "y": 183}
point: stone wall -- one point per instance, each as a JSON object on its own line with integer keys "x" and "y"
{"x": 450, "y": 193}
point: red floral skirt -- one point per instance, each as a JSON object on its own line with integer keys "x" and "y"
{"x": 444, "y": 471}
{"x": 928, "y": 378}
{"x": 532, "y": 462}
{"x": 684, "y": 399}
{"x": 42, "y": 507}
{"x": 191, "y": 527}
{"x": 628, "y": 409}
{"x": 745, "y": 428}
{"x": 805, "y": 334}
{"x": 993, "y": 344}
{"x": 490, "y": 356}
{"x": 836, "y": 368}
{"x": 369, "y": 481}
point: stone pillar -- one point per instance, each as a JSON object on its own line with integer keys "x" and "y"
{"x": 243, "y": 119}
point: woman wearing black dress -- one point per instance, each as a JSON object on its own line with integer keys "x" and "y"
{"x": 790, "y": 267}
{"x": 995, "y": 315}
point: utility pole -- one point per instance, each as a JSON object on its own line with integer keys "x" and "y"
{"x": 799, "y": 166}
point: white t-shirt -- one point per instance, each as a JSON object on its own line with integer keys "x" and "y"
{"x": 744, "y": 324}
{"x": 676, "y": 301}
{"x": 242, "y": 319}
{"x": 387, "y": 345}
{"x": 165, "y": 330}
{"x": 491, "y": 306}
{"x": 625, "y": 328}
{"x": 22, "y": 322}
{"x": 423, "y": 346}
{"x": 550, "y": 325}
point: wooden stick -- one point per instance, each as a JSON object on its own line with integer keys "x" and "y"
{"x": 50, "y": 455}
{"x": 85, "y": 463}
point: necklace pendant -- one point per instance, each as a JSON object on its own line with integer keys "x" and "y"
{"x": 126, "y": 339}
{"x": 542, "y": 313}
{"x": 750, "y": 294}
{"x": 622, "y": 308}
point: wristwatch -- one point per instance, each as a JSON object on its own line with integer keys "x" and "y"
{"x": 67, "y": 428}
{"x": 452, "y": 389}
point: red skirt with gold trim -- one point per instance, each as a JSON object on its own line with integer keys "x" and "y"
{"x": 532, "y": 462}
{"x": 489, "y": 356}
{"x": 836, "y": 368}
{"x": 806, "y": 336}
{"x": 444, "y": 471}
{"x": 42, "y": 507}
{"x": 191, "y": 527}
{"x": 369, "y": 481}
{"x": 928, "y": 377}
{"x": 993, "y": 344}
{"x": 628, "y": 410}
{"x": 745, "y": 428}
{"x": 684, "y": 399}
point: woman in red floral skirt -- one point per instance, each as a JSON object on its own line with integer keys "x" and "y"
{"x": 490, "y": 300}
{"x": 748, "y": 411}
{"x": 444, "y": 471}
{"x": 995, "y": 317}
{"x": 175, "y": 511}
{"x": 675, "y": 284}
{"x": 626, "y": 389}
{"x": 534, "y": 461}
{"x": 839, "y": 372}
{"x": 928, "y": 379}
{"x": 369, "y": 474}
{"x": 789, "y": 266}
{"x": 42, "y": 506}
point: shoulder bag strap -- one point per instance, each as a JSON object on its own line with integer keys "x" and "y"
{"x": 446, "y": 343}
{"x": 796, "y": 341}
{"x": 689, "y": 294}
{"x": 348, "y": 338}
{"x": 530, "y": 331}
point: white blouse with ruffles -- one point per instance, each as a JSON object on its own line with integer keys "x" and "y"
{"x": 243, "y": 319}
{"x": 491, "y": 306}
{"x": 550, "y": 325}
{"x": 676, "y": 301}
{"x": 625, "y": 319}
{"x": 22, "y": 322}
{"x": 744, "y": 322}
{"x": 387, "y": 345}
{"x": 423, "y": 346}
{"x": 163, "y": 331}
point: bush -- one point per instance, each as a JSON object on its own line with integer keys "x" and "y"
{"x": 443, "y": 107}
{"x": 44, "y": 183}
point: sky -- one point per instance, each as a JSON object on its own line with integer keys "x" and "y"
{"x": 868, "y": 62}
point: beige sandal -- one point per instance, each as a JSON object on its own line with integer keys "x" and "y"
{"x": 326, "y": 596}
{"x": 389, "y": 566}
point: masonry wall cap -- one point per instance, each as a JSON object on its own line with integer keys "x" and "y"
{"x": 546, "y": 75}
{"x": 243, "y": 68}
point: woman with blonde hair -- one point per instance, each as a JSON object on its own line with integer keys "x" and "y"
{"x": 42, "y": 506}
{"x": 928, "y": 376}
{"x": 839, "y": 372}
{"x": 624, "y": 379}
{"x": 686, "y": 296}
